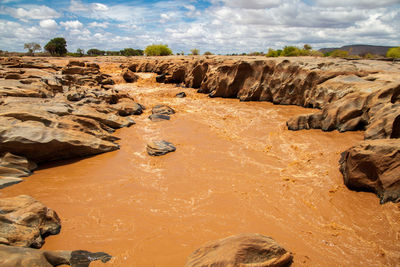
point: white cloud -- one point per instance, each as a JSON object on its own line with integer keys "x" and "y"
{"x": 32, "y": 12}
{"x": 357, "y": 3}
{"x": 98, "y": 24}
{"x": 49, "y": 24}
{"x": 72, "y": 24}
{"x": 251, "y": 4}
{"x": 99, "y": 7}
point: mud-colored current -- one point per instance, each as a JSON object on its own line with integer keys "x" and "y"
{"x": 237, "y": 169}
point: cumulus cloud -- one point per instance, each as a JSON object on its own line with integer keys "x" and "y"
{"x": 251, "y": 4}
{"x": 32, "y": 12}
{"x": 96, "y": 24}
{"x": 49, "y": 24}
{"x": 72, "y": 24}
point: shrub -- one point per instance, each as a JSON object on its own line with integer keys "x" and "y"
{"x": 208, "y": 53}
{"x": 273, "y": 53}
{"x": 393, "y": 52}
{"x": 339, "y": 53}
{"x": 291, "y": 51}
{"x": 195, "y": 52}
{"x": 56, "y": 46}
{"x": 158, "y": 50}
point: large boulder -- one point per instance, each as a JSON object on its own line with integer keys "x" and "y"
{"x": 25, "y": 222}
{"x": 373, "y": 166}
{"x": 252, "y": 250}
{"x": 18, "y": 256}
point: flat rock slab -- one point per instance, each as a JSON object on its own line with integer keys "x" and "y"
{"x": 159, "y": 117}
{"x": 159, "y": 148}
{"x": 16, "y": 256}
{"x": 25, "y": 222}
{"x": 253, "y": 250}
{"x": 162, "y": 109}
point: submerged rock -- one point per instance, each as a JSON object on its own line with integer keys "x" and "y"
{"x": 17, "y": 256}
{"x": 158, "y": 117}
{"x": 373, "y": 166}
{"x": 162, "y": 109}
{"x": 25, "y": 222}
{"x": 158, "y": 148}
{"x": 253, "y": 250}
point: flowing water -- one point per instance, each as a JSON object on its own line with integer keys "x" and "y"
{"x": 237, "y": 169}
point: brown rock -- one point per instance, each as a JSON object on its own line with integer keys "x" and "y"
{"x": 12, "y": 166}
{"x": 253, "y": 250}
{"x": 159, "y": 148}
{"x": 162, "y": 109}
{"x": 25, "y": 222}
{"x": 129, "y": 76}
{"x": 373, "y": 166}
{"x": 18, "y": 256}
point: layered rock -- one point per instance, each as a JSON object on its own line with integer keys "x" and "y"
{"x": 242, "y": 250}
{"x": 25, "y": 222}
{"x": 51, "y": 113}
{"x": 18, "y": 256}
{"x": 12, "y": 167}
{"x": 159, "y": 148}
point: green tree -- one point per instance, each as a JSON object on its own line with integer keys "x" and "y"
{"x": 80, "y": 52}
{"x": 56, "y": 46}
{"x": 158, "y": 50}
{"x": 291, "y": 51}
{"x": 195, "y": 52}
{"x": 339, "y": 53}
{"x": 272, "y": 53}
{"x": 95, "y": 52}
{"x": 131, "y": 52}
{"x": 307, "y": 47}
{"x": 208, "y": 53}
{"x": 32, "y": 47}
{"x": 393, "y": 52}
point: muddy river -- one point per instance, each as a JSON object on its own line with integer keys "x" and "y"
{"x": 237, "y": 169}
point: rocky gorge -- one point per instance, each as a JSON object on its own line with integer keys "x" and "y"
{"x": 52, "y": 111}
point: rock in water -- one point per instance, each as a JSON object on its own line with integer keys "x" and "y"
{"x": 158, "y": 148}
{"x": 25, "y": 222}
{"x": 181, "y": 95}
{"x": 162, "y": 109}
{"x": 373, "y": 166}
{"x": 17, "y": 256}
{"x": 253, "y": 250}
{"x": 159, "y": 117}
{"x": 129, "y": 76}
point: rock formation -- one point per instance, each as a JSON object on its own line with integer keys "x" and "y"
{"x": 17, "y": 256}
{"x": 52, "y": 113}
{"x": 25, "y": 222}
{"x": 242, "y": 250}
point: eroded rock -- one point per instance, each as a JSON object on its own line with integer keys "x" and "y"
{"x": 373, "y": 166}
{"x": 162, "y": 109}
{"x": 25, "y": 222}
{"x": 18, "y": 256}
{"x": 253, "y": 250}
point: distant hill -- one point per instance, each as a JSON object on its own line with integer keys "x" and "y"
{"x": 360, "y": 49}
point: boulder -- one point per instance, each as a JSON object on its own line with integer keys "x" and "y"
{"x": 129, "y": 76}
{"x": 160, "y": 78}
{"x": 373, "y": 166}
{"x": 162, "y": 109}
{"x": 25, "y": 222}
{"x": 18, "y": 256}
{"x": 12, "y": 167}
{"x": 159, "y": 148}
{"x": 253, "y": 250}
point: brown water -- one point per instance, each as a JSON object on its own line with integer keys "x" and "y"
{"x": 237, "y": 169}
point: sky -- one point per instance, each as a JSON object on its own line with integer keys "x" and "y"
{"x": 218, "y": 26}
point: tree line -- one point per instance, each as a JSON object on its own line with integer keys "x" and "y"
{"x": 58, "y": 47}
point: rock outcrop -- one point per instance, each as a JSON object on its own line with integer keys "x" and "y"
{"x": 242, "y": 250}
{"x": 51, "y": 113}
{"x": 12, "y": 167}
{"x": 373, "y": 165}
{"x": 18, "y": 256}
{"x": 25, "y": 222}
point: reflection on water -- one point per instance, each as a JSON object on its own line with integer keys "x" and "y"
{"x": 237, "y": 169}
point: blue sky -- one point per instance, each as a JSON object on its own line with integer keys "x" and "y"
{"x": 219, "y": 26}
